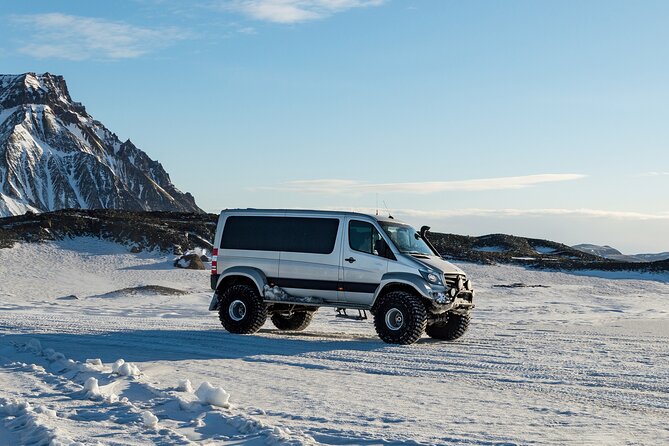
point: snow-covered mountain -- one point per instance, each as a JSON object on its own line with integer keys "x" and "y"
{"x": 54, "y": 155}
{"x": 613, "y": 254}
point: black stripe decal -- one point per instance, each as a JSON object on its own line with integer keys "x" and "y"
{"x": 325, "y": 285}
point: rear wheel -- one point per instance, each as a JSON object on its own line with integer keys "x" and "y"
{"x": 400, "y": 318}
{"x": 295, "y": 321}
{"x": 452, "y": 327}
{"x": 241, "y": 310}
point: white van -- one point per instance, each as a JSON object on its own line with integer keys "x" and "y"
{"x": 288, "y": 263}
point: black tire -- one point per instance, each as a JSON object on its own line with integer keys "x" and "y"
{"x": 452, "y": 327}
{"x": 400, "y": 318}
{"x": 296, "y": 321}
{"x": 241, "y": 310}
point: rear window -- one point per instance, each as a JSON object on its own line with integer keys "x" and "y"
{"x": 291, "y": 234}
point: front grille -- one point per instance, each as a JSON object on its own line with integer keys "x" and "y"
{"x": 451, "y": 279}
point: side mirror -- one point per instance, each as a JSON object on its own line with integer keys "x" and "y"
{"x": 423, "y": 232}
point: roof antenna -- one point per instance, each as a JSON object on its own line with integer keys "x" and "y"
{"x": 377, "y": 204}
{"x": 387, "y": 210}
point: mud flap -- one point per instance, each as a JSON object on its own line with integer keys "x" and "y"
{"x": 213, "y": 306}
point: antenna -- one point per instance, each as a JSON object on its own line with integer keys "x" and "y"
{"x": 387, "y": 210}
{"x": 377, "y": 204}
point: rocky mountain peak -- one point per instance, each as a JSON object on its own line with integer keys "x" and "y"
{"x": 54, "y": 155}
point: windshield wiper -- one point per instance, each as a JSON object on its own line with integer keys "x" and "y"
{"x": 414, "y": 253}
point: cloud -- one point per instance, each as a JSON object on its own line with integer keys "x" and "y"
{"x": 525, "y": 213}
{"x": 70, "y": 37}
{"x": 654, "y": 174}
{"x": 339, "y": 186}
{"x": 293, "y": 11}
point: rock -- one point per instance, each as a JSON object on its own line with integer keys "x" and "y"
{"x": 135, "y": 250}
{"x": 189, "y": 261}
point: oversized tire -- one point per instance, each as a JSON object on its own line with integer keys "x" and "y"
{"x": 241, "y": 309}
{"x": 450, "y": 328}
{"x": 400, "y": 318}
{"x": 295, "y": 321}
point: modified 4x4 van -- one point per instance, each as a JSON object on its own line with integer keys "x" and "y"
{"x": 287, "y": 263}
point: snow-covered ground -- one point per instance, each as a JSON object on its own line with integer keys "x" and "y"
{"x": 581, "y": 360}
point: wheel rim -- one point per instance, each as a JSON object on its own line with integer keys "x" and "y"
{"x": 237, "y": 310}
{"x": 394, "y": 319}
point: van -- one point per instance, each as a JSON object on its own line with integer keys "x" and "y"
{"x": 286, "y": 264}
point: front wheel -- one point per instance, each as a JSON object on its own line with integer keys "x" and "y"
{"x": 295, "y": 321}
{"x": 400, "y": 318}
{"x": 241, "y": 310}
{"x": 453, "y": 327}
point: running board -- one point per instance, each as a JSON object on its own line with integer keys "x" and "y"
{"x": 362, "y": 314}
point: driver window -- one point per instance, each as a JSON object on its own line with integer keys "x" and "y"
{"x": 363, "y": 237}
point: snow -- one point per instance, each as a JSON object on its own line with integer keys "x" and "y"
{"x": 209, "y": 394}
{"x": 582, "y": 361}
{"x": 544, "y": 250}
{"x": 149, "y": 419}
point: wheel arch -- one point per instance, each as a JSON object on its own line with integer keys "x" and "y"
{"x": 242, "y": 275}
{"x": 409, "y": 283}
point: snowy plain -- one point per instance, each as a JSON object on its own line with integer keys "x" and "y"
{"x": 86, "y": 357}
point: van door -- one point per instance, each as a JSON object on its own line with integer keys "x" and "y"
{"x": 363, "y": 267}
{"x": 310, "y": 264}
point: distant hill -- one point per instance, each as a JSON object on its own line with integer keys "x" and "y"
{"x": 613, "y": 254}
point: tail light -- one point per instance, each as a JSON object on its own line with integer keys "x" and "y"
{"x": 214, "y": 258}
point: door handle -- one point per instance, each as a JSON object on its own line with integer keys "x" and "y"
{"x": 350, "y": 260}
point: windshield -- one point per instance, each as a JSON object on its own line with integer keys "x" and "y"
{"x": 406, "y": 238}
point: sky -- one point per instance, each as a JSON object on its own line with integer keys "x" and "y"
{"x": 541, "y": 119}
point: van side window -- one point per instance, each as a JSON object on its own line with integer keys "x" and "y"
{"x": 363, "y": 237}
{"x": 290, "y": 234}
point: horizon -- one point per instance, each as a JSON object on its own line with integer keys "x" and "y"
{"x": 541, "y": 121}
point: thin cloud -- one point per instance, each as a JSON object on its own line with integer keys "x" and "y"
{"x": 70, "y": 37}
{"x": 654, "y": 174}
{"x": 293, "y": 11}
{"x": 525, "y": 213}
{"x": 339, "y": 186}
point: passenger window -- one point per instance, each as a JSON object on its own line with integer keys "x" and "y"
{"x": 364, "y": 237}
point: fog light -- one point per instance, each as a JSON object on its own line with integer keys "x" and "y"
{"x": 452, "y": 292}
{"x": 468, "y": 285}
{"x": 459, "y": 283}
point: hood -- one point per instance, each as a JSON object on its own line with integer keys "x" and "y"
{"x": 438, "y": 263}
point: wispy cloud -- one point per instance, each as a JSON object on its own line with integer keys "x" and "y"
{"x": 292, "y": 11}
{"x": 339, "y": 186}
{"x": 63, "y": 36}
{"x": 525, "y": 213}
{"x": 653, "y": 174}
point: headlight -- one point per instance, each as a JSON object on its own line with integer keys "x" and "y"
{"x": 431, "y": 277}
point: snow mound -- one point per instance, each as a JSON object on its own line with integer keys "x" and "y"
{"x": 185, "y": 386}
{"x": 25, "y": 421}
{"x": 149, "y": 419}
{"x": 122, "y": 368}
{"x": 91, "y": 387}
{"x": 216, "y": 396}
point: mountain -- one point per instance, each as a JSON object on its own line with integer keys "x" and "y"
{"x": 613, "y": 254}
{"x": 54, "y": 155}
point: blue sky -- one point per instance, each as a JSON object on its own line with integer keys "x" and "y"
{"x": 543, "y": 119}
